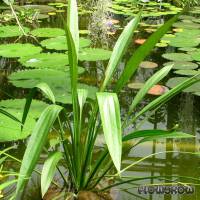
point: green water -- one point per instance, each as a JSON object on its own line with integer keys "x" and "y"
{"x": 183, "y": 110}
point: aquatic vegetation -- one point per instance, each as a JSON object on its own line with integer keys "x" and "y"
{"x": 94, "y": 54}
{"x": 16, "y": 50}
{"x": 177, "y": 56}
{"x": 173, "y": 82}
{"x": 58, "y": 81}
{"x": 93, "y": 111}
{"x": 150, "y": 9}
{"x": 46, "y": 60}
{"x": 182, "y": 65}
{"x": 13, "y": 128}
{"x": 155, "y": 90}
{"x": 60, "y": 43}
{"x": 47, "y": 32}
{"x": 11, "y": 31}
{"x": 148, "y": 64}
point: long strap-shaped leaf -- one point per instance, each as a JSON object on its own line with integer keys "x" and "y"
{"x": 35, "y": 144}
{"x": 155, "y": 134}
{"x": 72, "y": 22}
{"x": 110, "y": 116}
{"x": 120, "y": 48}
{"x": 72, "y": 34}
{"x": 141, "y": 53}
{"x": 48, "y": 170}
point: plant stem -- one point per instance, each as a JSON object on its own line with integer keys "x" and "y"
{"x": 16, "y": 18}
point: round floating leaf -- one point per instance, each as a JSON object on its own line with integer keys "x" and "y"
{"x": 48, "y": 32}
{"x": 155, "y": 90}
{"x": 58, "y": 81}
{"x": 158, "y": 90}
{"x": 188, "y": 49}
{"x": 188, "y": 33}
{"x": 136, "y": 85}
{"x": 184, "y": 42}
{"x": 173, "y": 82}
{"x": 148, "y": 65}
{"x": 162, "y": 44}
{"x": 187, "y": 17}
{"x": 46, "y": 60}
{"x": 11, "y": 31}
{"x": 186, "y": 25}
{"x": 10, "y": 130}
{"x": 94, "y": 54}
{"x": 18, "y": 50}
{"x": 186, "y": 72}
{"x": 177, "y": 56}
{"x": 196, "y": 55}
{"x": 44, "y": 9}
{"x": 182, "y": 65}
{"x": 60, "y": 43}
{"x": 17, "y": 105}
{"x": 140, "y": 41}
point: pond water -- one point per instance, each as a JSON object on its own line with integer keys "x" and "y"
{"x": 182, "y": 112}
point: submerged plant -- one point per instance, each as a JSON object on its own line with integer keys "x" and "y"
{"x": 84, "y": 171}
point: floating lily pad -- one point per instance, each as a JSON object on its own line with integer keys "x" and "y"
{"x": 17, "y": 105}
{"x": 196, "y": 55}
{"x": 173, "y": 82}
{"x": 186, "y": 72}
{"x": 136, "y": 85}
{"x": 155, "y": 90}
{"x": 158, "y": 90}
{"x": 11, "y": 31}
{"x": 181, "y": 42}
{"x": 188, "y": 49}
{"x": 10, "y": 130}
{"x": 39, "y": 8}
{"x": 177, "y": 56}
{"x": 18, "y": 50}
{"x": 182, "y": 65}
{"x": 94, "y": 54}
{"x": 140, "y": 41}
{"x": 58, "y": 81}
{"x": 186, "y": 25}
{"x": 162, "y": 44}
{"x": 60, "y": 43}
{"x": 48, "y": 32}
{"x": 186, "y": 17}
{"x": 46, "y": 60}
{"x": 188, "y": 33}
{"x": 148, "y": 65}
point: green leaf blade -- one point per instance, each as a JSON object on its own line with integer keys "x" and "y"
{"x": 158, "y": 76}
{"x": 119, "y": 49}
{"x": 149, "y": 135}
{"x": 141, "y": 53}
{"x": 48, "y": 171}
{"x": 110, "y": 117}
{"x": 36, "y": 143}
{"x": 72, "y": 22}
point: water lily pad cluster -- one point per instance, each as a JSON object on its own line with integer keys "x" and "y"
{"x": 12, "y": 31}
{"x": 58, "y": 81}
{"x": 150, "y": 9}
{"x": 10, "y": 130}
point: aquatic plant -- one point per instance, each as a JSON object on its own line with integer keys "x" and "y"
{"x": 85, "y": 172}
